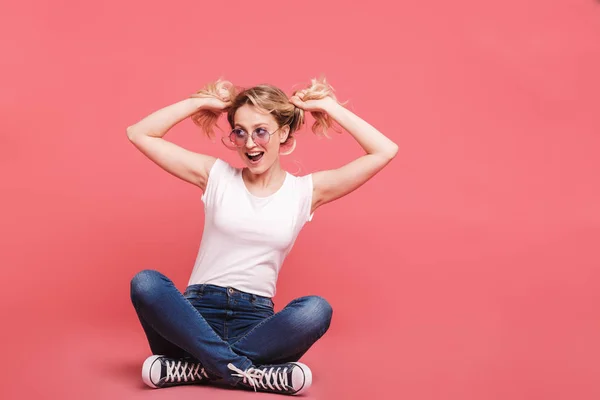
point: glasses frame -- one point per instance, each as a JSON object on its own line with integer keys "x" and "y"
{"x": 233, "y": 142}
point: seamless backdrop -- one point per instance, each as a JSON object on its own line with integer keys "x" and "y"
{"x": 467, "y": 269}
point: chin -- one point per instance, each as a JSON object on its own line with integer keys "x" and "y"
{"x": 259, "y": 167}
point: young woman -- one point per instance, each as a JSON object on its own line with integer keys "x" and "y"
{"x": 223, "y": 328}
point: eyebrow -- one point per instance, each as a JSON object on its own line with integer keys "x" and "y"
{"x": 254, "y": 126}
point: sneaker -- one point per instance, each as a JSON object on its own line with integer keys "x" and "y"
{"x": 290, "y": 378}
{"x": 160, "y": 371}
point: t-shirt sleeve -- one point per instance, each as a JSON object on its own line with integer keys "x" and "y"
{"x": 216, "y": 175}
{"x": 306, "y": 196}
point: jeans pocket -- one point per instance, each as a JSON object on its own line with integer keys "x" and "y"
{"x": 192, "y": 295}
{"x": 263, "y": 307}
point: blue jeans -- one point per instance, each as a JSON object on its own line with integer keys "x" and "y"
{"x": 220, "y": 325}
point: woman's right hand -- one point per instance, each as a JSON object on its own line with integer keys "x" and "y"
{"x": 217, "y": 97}
{"x": 211, "y": 103}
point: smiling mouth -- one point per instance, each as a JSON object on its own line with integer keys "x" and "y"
{"x": 255, "y": 156}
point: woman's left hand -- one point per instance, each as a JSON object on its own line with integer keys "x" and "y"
{"x": 312, "y": 105}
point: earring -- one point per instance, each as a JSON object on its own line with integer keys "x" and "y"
{"x": 289, "y": 147}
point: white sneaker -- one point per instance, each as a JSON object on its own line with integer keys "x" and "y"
{"x": 290, "y": 378}
{"x": 161, "y": 371}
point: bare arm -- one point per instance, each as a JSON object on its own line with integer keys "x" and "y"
{"x": 332, "y": 184}
{"x": 147, "y": 136}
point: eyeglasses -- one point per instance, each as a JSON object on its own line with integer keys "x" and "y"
{"x": 260, "y": 136}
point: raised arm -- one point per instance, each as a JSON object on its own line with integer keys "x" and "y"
{"x": 332, "y": 184}
{"x": 147, "y": 136}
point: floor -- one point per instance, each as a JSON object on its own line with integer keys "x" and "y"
{"x": 88, "y": 360}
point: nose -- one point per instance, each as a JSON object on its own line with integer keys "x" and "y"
{"x": 249, "y": 142}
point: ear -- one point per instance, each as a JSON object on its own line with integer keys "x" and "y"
{"x": 285, "y": 131}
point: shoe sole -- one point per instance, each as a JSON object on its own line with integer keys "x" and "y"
{"x": 147, "y": 371}
{"x": 307, "y": 378}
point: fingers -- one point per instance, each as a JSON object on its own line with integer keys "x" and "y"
{"x": 300, "y": 94}
{"x": 224, "y": 95}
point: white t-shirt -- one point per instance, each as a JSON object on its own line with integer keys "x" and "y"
{"x": 246, "y": 238}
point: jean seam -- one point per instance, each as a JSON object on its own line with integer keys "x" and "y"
{"x": 253, "y": 329}
{"x": 257, "y": 326}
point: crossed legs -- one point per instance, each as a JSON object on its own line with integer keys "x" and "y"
{"x": 175, "y": 328}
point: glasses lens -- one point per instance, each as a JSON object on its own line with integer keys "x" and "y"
{"x": 238, "y": 137}
{"x": 261, "y": 136}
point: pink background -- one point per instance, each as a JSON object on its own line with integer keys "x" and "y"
{"x": 468, "y": 269}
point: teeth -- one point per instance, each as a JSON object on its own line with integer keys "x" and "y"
{"x": 254, "y": 154}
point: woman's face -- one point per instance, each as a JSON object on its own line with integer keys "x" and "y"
{"x": 257, "y": 155}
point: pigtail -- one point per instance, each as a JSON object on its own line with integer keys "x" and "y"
{"x": 318, "y": 89}
{"x": 207, "y": 119}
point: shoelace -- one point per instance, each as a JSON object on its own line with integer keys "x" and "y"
{"x": 264, "y": 377}
{"x": 176, "y": 370}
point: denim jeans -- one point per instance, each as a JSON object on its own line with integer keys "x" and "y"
{"x": 220, "y": 325}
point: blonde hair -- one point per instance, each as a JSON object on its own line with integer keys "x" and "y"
{"x": 266, "y": 98}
